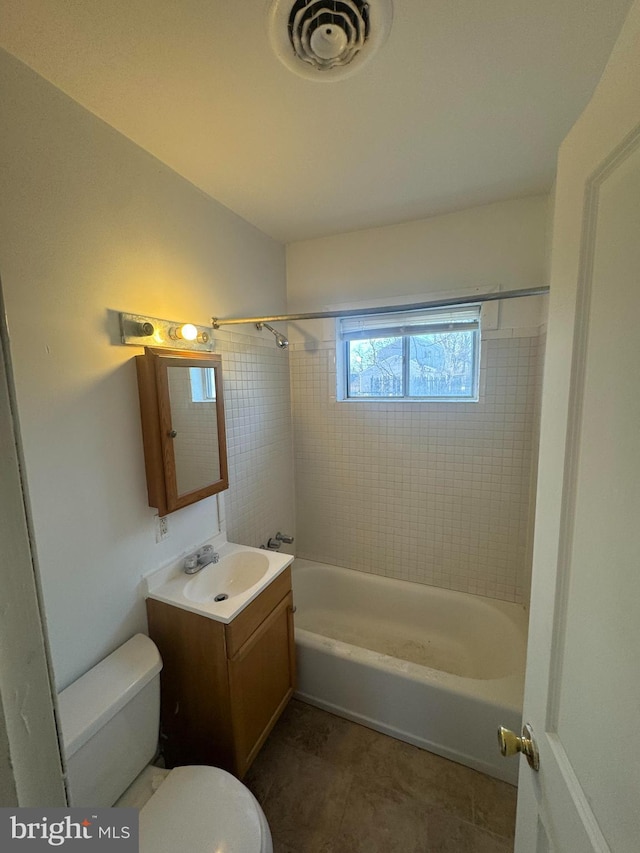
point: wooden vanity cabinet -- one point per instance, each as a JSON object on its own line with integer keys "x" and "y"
{"x": 223, "y": 687}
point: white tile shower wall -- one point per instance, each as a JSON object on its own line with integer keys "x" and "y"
{"x": 437, "y": 493}
{"x": 257, "y": 401}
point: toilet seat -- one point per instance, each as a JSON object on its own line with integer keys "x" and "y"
{"x": 203, "y": 809}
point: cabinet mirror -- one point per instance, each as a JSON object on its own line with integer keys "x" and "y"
{"x": 182, "y": 411}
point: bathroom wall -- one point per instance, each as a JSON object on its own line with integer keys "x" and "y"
{"x": 496, "y": 244}
{"x": 260, "y": 499}
{"x": 91, "y": 225}
{"x": 438, "y": 493}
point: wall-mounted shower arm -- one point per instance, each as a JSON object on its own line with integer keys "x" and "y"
{"x": 216, "y": 322}
{"x": 281, "y": 340}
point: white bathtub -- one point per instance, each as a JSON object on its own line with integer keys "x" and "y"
{"x": 439, "y": 669}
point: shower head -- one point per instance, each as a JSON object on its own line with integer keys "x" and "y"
{"x": 281, "y": 341}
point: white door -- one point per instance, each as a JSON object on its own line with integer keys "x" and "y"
{"x": 582, "y": 695}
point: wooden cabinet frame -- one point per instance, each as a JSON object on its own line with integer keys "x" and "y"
{"x": 158, "y": 432}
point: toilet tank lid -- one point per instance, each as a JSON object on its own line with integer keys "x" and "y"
{"x": 91, "y": 701}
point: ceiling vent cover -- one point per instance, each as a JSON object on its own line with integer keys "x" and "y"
{"x": 328, "y": 39}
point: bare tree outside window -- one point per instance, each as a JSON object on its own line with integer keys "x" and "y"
{"x": 441, "y": 365}
{"x": 422, "y": 354}
{"x": 375, "y": 368}
{"x": 434, "y": 365}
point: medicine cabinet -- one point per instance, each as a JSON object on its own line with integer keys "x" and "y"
{"x": 182, "y": 410}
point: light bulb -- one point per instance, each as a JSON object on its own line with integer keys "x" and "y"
{"x": 188, "y": 332}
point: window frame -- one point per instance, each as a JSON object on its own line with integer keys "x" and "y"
{"x": 406, "y": 333}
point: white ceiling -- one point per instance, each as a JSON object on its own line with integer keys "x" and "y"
{"x": 465, "y": 103}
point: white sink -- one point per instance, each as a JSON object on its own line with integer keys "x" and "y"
{"x": 235, "y": 580}
{"x": 233, "y": 575}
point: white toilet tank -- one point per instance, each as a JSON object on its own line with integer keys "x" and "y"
{"x": 110, "y": 719}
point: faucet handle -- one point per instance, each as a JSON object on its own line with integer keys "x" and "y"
{"x": 282, "y": 537}
{"x": 207, "y": 555}
{"x": 190, "y": 563}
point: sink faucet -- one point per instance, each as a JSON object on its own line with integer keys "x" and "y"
{"x": 199, "y": 559}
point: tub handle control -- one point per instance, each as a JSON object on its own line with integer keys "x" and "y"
{"x": 283, "y": 537}
{"x": 511, "y": 744}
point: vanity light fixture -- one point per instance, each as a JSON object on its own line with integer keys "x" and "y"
{"x": 143, "y": 331}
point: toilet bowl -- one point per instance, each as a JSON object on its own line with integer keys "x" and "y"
{"x": 109, "y": 720}
{"x": 216, "y": 812}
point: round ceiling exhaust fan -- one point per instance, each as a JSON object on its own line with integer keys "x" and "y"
{"x": 327, "y": 39}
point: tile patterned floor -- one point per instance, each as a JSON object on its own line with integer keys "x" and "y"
{"x": 331, "y": 786}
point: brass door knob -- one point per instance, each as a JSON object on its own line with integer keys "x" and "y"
{"x": 511, "y": 744}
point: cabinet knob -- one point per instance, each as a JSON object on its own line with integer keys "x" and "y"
{"x": 172, "y": 433}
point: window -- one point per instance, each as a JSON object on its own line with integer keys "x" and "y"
{"x": 410, "y": 355}
{"x": 203, "y": 384}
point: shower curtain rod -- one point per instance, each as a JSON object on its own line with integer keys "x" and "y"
{"x": 216, "y": 322}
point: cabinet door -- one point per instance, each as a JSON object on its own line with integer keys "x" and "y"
{"x": 261, "y": 682}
